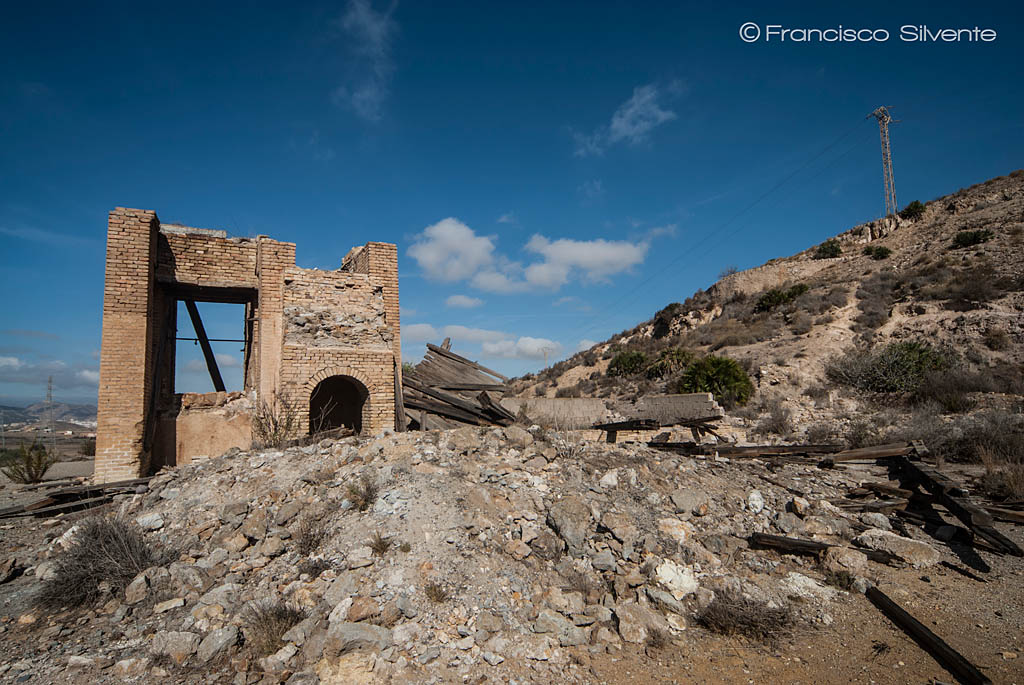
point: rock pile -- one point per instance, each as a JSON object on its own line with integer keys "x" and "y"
{"x": 439, "y": 556}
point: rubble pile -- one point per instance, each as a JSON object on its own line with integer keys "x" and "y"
{"x": 442, "y": 556}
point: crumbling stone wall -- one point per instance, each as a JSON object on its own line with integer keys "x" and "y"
{"x": 302, "y": 326}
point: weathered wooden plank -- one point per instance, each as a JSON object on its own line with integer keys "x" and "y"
{"x": 448, "y": 398}
{"x": 812, "y": 547}
{"x": 455, "y": 357}
{"x": 949, "y": 494}
{"x": 948, "y": 658}
{"x": 898, "y": 449}
{"x": 631, "y": 425}
{"x": 443, "y": 410}
{"x": 204, "y": 342}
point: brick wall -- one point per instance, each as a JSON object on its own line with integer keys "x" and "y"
{"x": 128, "y": 333}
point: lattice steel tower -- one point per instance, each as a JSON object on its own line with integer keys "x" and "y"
{"x": 882, "y": 114}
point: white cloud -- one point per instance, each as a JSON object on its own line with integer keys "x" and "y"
{"x": 370, "y": 34}
{"x": 507, "y": 218}
{"x": 11, "y": 363}
{"x": 596, "y": 259}
{"x": 462, "y": 302}
{"x": 228, "y": 361}
{"x": 419, "y": 332}
{"x": 451, "y": 251}
{"x": 632, "y": 122}
{"x": 89, "y": 376}
{"x": 406, "y": 311}
{"x": 476, "y": 335}
{"x": 585, "y": 344}
{"x": 523, "y": 348}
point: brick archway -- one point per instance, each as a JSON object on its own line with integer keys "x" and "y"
{"x": 361, "y": 383}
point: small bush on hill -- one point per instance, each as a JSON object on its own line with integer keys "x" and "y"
{"x": 777, "y": 419}
{"x": 996, "y": 339}
{"x": 28, "y": 463}
{"x": 627, "y": 363}
{"x": 728, "y": 271}
{"x": 730, "y": 613}
{"x": 104, "y": 553}
{"x": 828, "y": 249}
{"x": 775, "y": 297}
{"x": 971, "y": 238}
{"x": 897, "y": 367}
{"x": 671, "y": 361}
{"x": 88, "y": 448}
{"x": 722, "y": 377}
{"x": 267, "y": 622}
{"x": 877, "y": 252}
{"x": 913, "y": 211}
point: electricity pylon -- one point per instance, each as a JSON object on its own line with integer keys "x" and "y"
{"x": 883, "y": 117}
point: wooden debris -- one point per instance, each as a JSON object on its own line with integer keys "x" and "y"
{"x": 898, "y": 449}
{"x": 612, "y": 429}
{"x": 948, "y": 658}
{"x": 949, "y": 494}
{"x": 453, "y": 390}
{"x": 75, "y": 498}
{"x": 810, "y": 547}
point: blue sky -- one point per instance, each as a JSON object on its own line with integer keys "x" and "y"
{"x": 552, "y": 173}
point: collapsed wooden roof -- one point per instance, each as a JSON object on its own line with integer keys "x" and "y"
{"x": 446, "y": 390}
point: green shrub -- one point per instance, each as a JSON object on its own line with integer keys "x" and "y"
{"x": 913, "y": 211}
{"x": 28, "y": 464}
{"x": 627, "y": 363}
{"x": 770, "y": 299}
{"x": 722, "y": 377}
{"x": 971, "y": 238}
{"x": 828, "y": 249}
{"x": 877, "y": 252}
{"x": 671, "y": 361}
{"x": 897, "y": 367}
{"x": 87, "y": 448}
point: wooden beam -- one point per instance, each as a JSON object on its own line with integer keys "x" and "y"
{"x": 400, "y": 421}
{"x": 811, "y": 547}
{"x": 204, "y": 342}
{"x": 949, "y": 494}
{"x": 457, "y": 358}
{"x": 948, "y": 658}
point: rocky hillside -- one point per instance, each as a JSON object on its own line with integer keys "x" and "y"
{"x": 950, "y": 275}
{"x": 490, "y": 555}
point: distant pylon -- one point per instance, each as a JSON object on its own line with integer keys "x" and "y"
{"x": 49, "y": 406}
{"x": 883, "y": 116}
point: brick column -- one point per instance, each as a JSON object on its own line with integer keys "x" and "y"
{"x": 382, "y": 266}
{"x": 272, "y": 258}
{"x": 126, "y": 364}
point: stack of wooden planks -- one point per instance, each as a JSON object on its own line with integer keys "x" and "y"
{"x": 446, "y": 390}
{"x": 68, "y": 499}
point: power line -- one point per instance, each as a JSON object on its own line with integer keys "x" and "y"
{"x": 708, "y": 236}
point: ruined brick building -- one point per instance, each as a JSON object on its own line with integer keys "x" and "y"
{"x": 325, "y": 344}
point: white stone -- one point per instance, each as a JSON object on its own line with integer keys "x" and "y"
{"x": 678, "y": 580}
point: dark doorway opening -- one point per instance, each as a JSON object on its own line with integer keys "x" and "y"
{"x": 337, "y": 402}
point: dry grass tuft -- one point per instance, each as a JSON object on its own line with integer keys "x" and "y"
{"x": 363, "y": 493}
{"x": 104, "y": 553}
{"x": 436, "y": 593}
{"x": 310, "y": 535}
{"x": 266, "y": 622}
{"x": 657, "y": 640}
{"x": 313, "y": 567}
{"x": 379, "y": 544}
{"x": 732, "y": 614}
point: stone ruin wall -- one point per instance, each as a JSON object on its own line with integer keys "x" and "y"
{"x": 305, "y": 325}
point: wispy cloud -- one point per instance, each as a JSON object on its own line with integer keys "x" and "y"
{"x": 49, "y": 237}
{"x": 19, "y": 371}
{"x": 462, "y": 302}
{"x": 585, "y": 344}
{"x": 370, "y": 34}
{"x": 24, "y": 333}
{"x": 507, "y": 218}
{"x": 591, "y": 191}
{"x": 631, "y": 123}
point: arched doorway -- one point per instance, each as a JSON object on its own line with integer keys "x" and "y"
{"x": 337, "y": 401}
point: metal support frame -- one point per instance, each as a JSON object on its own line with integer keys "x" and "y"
{"x": 204, "y": 342}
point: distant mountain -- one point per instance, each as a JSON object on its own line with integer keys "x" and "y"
{"x": 82, "y": 414}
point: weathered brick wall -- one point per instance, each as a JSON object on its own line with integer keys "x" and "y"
{"x": 200, "y": 259}
{"x": 128, "y": 330}
{"x": 338, "y": 323}
{"x": 303, "y": 368}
